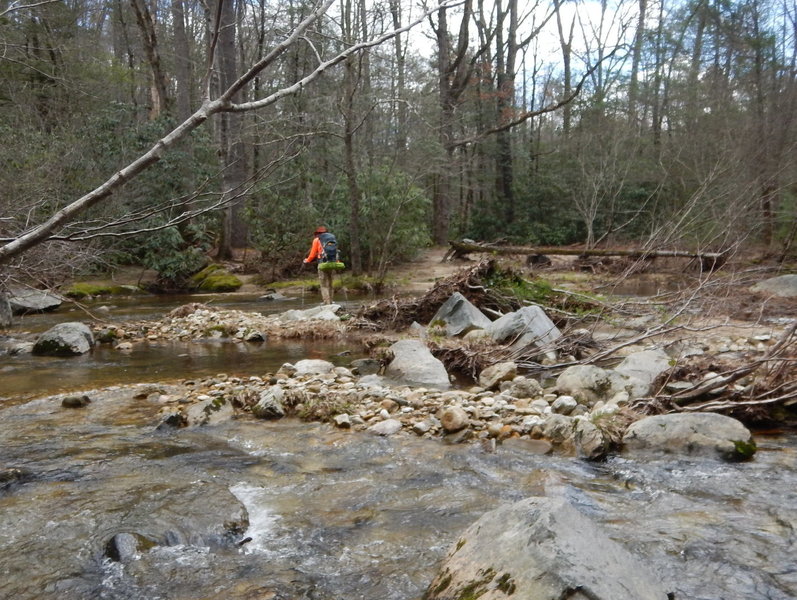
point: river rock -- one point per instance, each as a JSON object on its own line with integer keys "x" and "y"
{"x": 784, "y": 286}
{"x": 541, "y": 549}
{"x": 493, "y": 375}
{"x": 460, "y": 316}
{"x": 366, "y": 366}
{"x": 564, "y": 405}
{"x": 65, "y": 339}
{"x": 558, "y": 429}
{"x": 208, "y": 412}
{"x": 645, "y": 365}
{"x": 311, "y": 366}
{"x": 413, "y": 364}
{"x": 270, "y": 406}
{"x": 24, "y": 301}
{"x": 454, "y": 418}
{"x": 522, "y": 387}
{"x": 326, "y": 312}
{"x": 76, "y": 401}
{"x": 590, "y": 441}
{"x": 529, "y": 326}
{"x": 702, "y": 434}
{"x": 386, "y": 427}
{"x": 122, "y": 547}
{"x": 589, "y": 384}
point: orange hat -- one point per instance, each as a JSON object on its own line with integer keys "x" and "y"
{"x": 320, "y": 229}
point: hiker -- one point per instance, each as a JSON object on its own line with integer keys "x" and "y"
{"x": 324, "y": 251}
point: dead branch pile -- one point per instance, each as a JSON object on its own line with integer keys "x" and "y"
{"x": 749, "y": 392}
{"x": 398, "y": 313}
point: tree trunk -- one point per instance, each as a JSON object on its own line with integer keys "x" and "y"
{"x": 231, "y": 146}
{"x": 182, "y": 61}
{"x": 161, "y": 103}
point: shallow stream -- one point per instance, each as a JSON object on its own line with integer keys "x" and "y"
{"x": 335, "y": 515}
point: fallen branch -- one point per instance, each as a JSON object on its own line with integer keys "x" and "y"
{"x": 710, "y": 260}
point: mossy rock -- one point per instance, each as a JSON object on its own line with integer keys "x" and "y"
{"x": 84, "y": 290}
{"x": 215, "y": 279}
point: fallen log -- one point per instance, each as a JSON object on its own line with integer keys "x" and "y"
{"x": 709, "y": 260}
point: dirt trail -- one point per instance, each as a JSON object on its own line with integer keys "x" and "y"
{"x": 419, "y": 275}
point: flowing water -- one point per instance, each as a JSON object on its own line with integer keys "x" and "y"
{"x": 338, "y": 515}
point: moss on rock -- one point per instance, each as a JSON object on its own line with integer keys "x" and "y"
{"x": 84, "y": 290}
{"x": 215, "y": 279}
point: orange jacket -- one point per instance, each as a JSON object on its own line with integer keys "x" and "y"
{"x": 316, "y": 251}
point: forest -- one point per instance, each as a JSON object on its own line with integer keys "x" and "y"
{"x": 159, "y": 133}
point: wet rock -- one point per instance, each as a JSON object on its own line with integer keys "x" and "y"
{"x": 493, "y": 375}
{"x": 14, "y": 475}
{"x": 589, "y": 440}
{"x": 783, "y": 286}
{"x": 273, "y": 297}
{"x": 270, "y": 404}
{"x": 531, "y": 446}
{"x": 254, "y": 336}
{"x": 25, "y": 301}
{"x": 413, "y": 364}
{"x": 76, "y": 401}
{"x": 541, "y": 548}
{"x": 558, "y": 429}
{"x": 208, "y": 412}
{"x": 122, "y": 547}
{"x": 454, "y": 418}
{"x": 386, "y": 427}
{"x": 459, "y": 437}
{"x": 702, "y": 434}
{"x": 366, "y": 366}
{"x": 65, "y": 339}
{"x": 460, "y": 316}
{"x": 589, "y": 384}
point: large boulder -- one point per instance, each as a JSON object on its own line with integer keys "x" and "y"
{"x": 460, "y": 316}
{"x": 645, "y": 365}
{"x": 541, "y": 549}
{"x": 529, "y": 326}
{"x": 589, "y": 384}
{"x": 413, "y": 364}
{"x": 25, "y": 301}
{"x": 209, "y": 411}
{"x": 784, "y": 286}
{"x": 65, "y": 339}
{"x": 704, "y": 434}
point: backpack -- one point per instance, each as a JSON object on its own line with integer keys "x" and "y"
{"x": 330, "y": 246}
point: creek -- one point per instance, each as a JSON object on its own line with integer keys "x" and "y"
{"x": 334, "y": 515}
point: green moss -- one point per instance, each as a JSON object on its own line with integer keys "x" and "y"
{"x": 444, "y": 583}
{"x": 506, "y": 584}
{"x": 214, "y": 279}
{"x": 744, "y": 450}
{"x": 460, "y": 543}
{"x": 84, "y": 290}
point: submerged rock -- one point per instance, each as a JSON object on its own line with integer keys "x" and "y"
{"x": 701, "y": 434}
{"x": 541, "y": 549}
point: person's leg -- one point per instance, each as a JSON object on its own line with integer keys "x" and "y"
{"x": 325, "y": 283}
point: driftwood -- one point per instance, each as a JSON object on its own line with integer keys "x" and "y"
{"x": 709, "y": 260}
